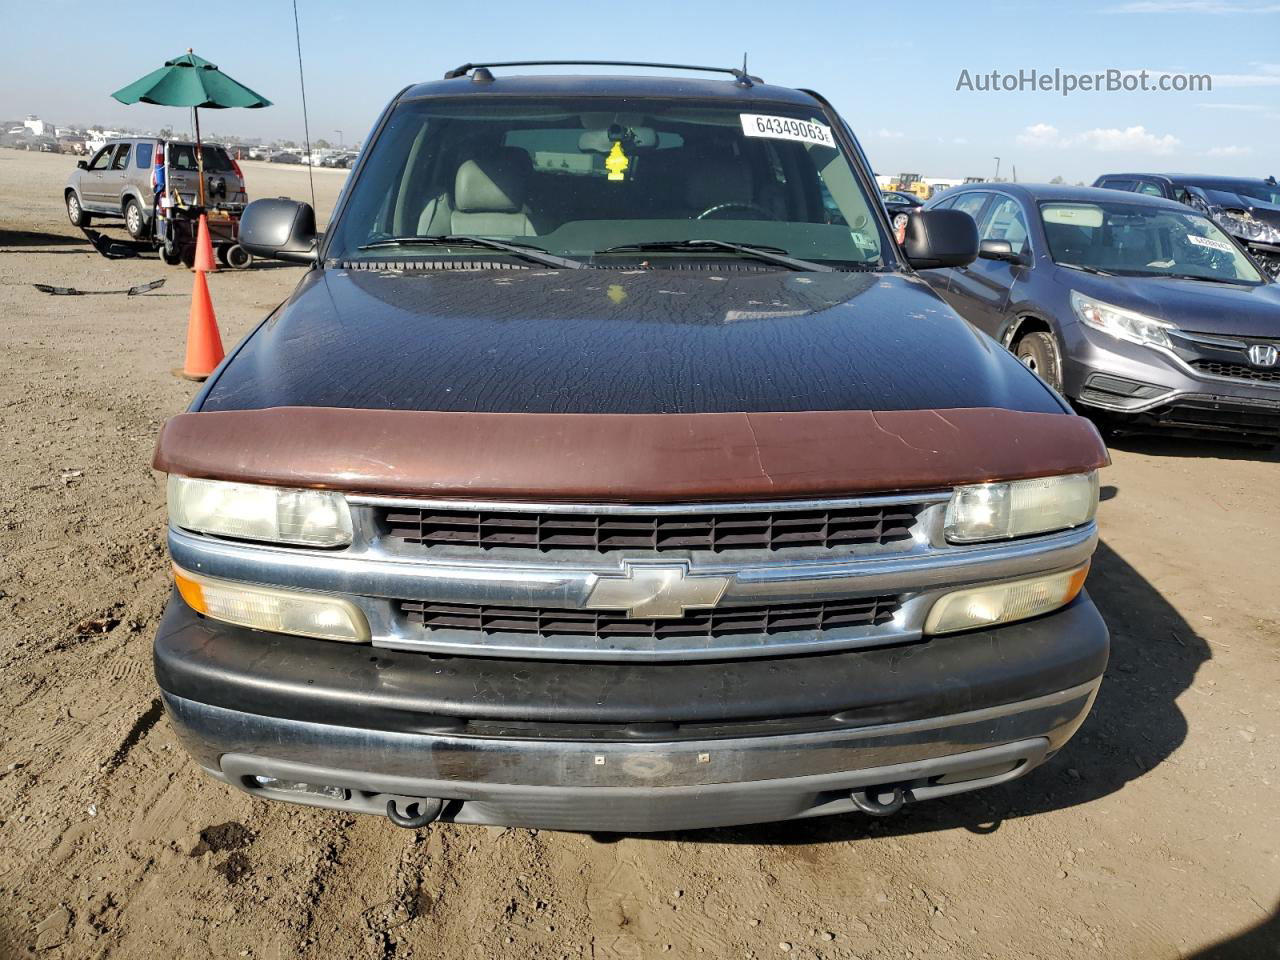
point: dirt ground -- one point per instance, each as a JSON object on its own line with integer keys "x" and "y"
{"x": 1156, "y": 833}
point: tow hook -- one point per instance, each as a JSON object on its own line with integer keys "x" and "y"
{"x": 418, "y": 813}
{"x": 873, "y": 800}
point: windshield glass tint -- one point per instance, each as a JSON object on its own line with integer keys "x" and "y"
{"x": 1137, "y": 240}
{"x": 577, "y": 176}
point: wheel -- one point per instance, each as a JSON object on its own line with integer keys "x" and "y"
{"x": 187, "y": 253}
{"x": 236, "y": 257}
{"x": 170, "y": 254}
{"x": 221, "y": 251}
{"x": 135, "y": 220}
{"x": 75, "y": 212}
{"x": 1038, "y": 352}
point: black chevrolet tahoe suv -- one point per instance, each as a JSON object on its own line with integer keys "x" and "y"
{"x": 612, "y": 469}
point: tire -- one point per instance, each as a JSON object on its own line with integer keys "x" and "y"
{"x": 170, "y": 254}
{"x": 75, "y": 212}
{"x": 236, "y": 257}
{"x": 187, "y": 254}
{"x": 135, "y": 221}
{"x": 1039, "y": 353}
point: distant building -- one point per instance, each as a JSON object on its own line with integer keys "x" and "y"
{"x": 38, "y": 127}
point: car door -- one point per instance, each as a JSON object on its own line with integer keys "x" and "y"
{"x": 114, "y": 177}
{"x": 943, "y": 280}
{"x": 980, "y": 290}
{"x": 140, "y": 171}
{"x": 91, "y": 178}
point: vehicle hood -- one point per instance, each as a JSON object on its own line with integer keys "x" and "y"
{"x": 698, "y": 340}
{"x": 1192, "y": 305}
{"x": 1269, "y": 212}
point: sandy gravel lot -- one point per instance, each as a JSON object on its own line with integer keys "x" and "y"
{"x": 1156, "y": 833}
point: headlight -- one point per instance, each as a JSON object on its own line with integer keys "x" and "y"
{"x": 1119, "y": 322}
{"x": 998, "y": 603}
{"x": 1019, "y": 508}
{"x": 280, "y": 611}
{"x": 1239, "y": 223}
{"x": 250, "y": 511}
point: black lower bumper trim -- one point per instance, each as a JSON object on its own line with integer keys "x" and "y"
{"x": 332, "y": 683}
{"x": 1219, "y": 414}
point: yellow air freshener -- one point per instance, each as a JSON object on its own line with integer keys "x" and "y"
{"x": 617, "y": 162}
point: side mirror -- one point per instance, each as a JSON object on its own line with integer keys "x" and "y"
{"x": 82, "y": 164}
{"x": 940, "y": 238}
{"x": 998, "y": 250}
{"x": 281, "y": 229}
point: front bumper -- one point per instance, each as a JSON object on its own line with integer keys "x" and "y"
{"x": 626, "y": 747}
{"x": 1148, "y": 388}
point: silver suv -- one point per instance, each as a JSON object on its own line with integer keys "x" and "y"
{"x": 120, "y": 180}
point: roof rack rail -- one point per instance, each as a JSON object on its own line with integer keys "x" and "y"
{"x": 740, "y": 75}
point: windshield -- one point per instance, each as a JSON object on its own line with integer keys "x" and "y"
{"x": 182, "y": 156}
{"x": 1136, "y": 240}
{"x": 577, "y": 177}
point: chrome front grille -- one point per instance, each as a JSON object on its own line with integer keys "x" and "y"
{"x": 610, "y": 624}
{"x": 824, "y": 528}
{"x": 580, "y": 581}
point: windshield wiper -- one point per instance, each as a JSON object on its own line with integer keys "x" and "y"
{"x": 528, "y": 251}
{"x": 767, "y": 254}
{"x": 1082, "y": 267}
{"x": 1195, "y": 276}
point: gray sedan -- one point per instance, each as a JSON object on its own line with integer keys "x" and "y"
{"x": 1138, "y": 309}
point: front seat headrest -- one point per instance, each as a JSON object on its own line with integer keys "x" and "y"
{"x": 496, "y": 182}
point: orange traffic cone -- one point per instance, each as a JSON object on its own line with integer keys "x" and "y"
{"x": 204, "y": 248}
{"x": 204, "y": 345}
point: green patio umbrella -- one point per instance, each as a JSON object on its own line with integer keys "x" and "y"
{"x": 191, "y": 81}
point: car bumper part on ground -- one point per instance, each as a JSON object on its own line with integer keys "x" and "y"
{"x": 625, "y": 747}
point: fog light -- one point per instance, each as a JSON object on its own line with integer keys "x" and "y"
{"x": 306, "y": 789}
{"x": 1006, "y": 602}
{"x": 280, "y": 611}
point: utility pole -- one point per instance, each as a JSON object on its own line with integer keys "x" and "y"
{"x": 339, "y": 133}
{"x": 997, "y": 176}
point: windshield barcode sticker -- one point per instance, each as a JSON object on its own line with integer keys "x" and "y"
{"x": 1210, "y": 243}
{"x": 786, "y": 128}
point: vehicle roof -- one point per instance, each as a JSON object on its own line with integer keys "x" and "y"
{"x": 1062, "y": 192}
{"x": 604, "y": 85}
{"x": 1195, "y": 179}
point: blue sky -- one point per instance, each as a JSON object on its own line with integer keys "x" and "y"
{"x": 890, "y": 68}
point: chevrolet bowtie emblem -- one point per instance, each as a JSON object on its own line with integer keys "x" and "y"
{"x": 656, "y": 590}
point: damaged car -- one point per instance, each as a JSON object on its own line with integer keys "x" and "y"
{"x": 1247, "y": 208}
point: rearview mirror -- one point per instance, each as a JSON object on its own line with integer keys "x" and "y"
{"x": 280, "y": 228}
{"x": 940, "y": 238}
{"x": 998, "y": 250}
